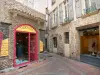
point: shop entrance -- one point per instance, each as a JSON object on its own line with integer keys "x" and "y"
{"x": 25, "y": 45}
{"x": 90, "y": 46}
{"x": 90, "y": 41}
{"x": 22, "y": 54}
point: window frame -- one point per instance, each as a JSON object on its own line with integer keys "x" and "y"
{"x": 55, "y": 42}
{"x": 66, "y": 37}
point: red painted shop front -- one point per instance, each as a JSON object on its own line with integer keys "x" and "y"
{"x": 25, "y": 45}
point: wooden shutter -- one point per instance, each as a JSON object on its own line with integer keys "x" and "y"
{"x": 97, "y": 4}
{"x": 70, "y": 10}
{"x": 78, "y": 8}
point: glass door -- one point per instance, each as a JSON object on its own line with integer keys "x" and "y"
{"x": 32, "y": 46}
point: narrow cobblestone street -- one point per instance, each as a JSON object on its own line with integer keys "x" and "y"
{"x": 57, "y": 65}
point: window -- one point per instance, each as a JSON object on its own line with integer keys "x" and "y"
{"x": 53, "y": 2}
{"x": 31, "y": 3}
{"x": 66, "y": 35}
{"x": 90, "y": 5}
{"x": 66, "y": 13}
{"x": 93, "y": 5}
{"x": 87, "y": 3}
{"x": 70, "y": 10}
{"x": 61, "y": 13}
{"x": 78, "y": 7}
{"x": 56, "y": 16}
{"x": 50, "y": 22}
{"x": 55, "y": 42}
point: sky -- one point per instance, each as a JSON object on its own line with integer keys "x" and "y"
{"x": 40, "y": 5}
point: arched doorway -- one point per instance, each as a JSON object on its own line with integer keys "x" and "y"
{"x": 25, "y": 45}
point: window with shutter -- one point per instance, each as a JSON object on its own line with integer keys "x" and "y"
{"x": 70, "y": 10}
{"x": 90, "y": 6}
{"x": 53, "y": 2}
{"x": 78, "y": 8}
{"x": 55, "y": 42}
{"x": 97, "y": 4}
{"x": 66, "y": 34}
{"x": 61, "y": 13}
{"x": 56, "y": 16}
{"x": 50, "y": 22}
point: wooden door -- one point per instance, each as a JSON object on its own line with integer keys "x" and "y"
{"x": 84, "y": 44}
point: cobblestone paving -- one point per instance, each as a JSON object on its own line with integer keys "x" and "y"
{"x": 58, "y": 65}
{"x": 62, "y": 66}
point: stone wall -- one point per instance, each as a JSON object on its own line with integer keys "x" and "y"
{"x": 5, "y": 62}
{"x": 4, "y": 28}
{"x": 59, "y": 33}
{"x": 16, "y": 21}
{"x": 7, "y": 5}
{"x": 9, "y": 20}
{"x": 74, "y": 38}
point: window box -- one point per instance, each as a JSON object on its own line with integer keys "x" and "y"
{"x": 89, "y": 14}
{"x": 89, "y": 10}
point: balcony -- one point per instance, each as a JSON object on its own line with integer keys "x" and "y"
{"x": 90, "y": 11}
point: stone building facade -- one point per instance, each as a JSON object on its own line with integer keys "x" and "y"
{"x": 71, "y": 17}
{"x": 12, "y": 15}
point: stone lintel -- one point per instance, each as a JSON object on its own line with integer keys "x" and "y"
{"x": 89, "y": 26}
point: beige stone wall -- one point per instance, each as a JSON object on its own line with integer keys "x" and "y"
{"x": 74, "y": 38}
{"x": 5, "y": 63}
{"x": 6, "y": 5}
{"x": 22, "y": 15}
{"x": 59, "y": 33}
{"x": 16, "y": 18}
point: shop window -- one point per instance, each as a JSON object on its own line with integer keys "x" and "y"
{"x": 55, "y": 42}
{"x": 66, "y": 34}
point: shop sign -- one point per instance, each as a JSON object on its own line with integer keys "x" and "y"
{"x": 26, "y": 29}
